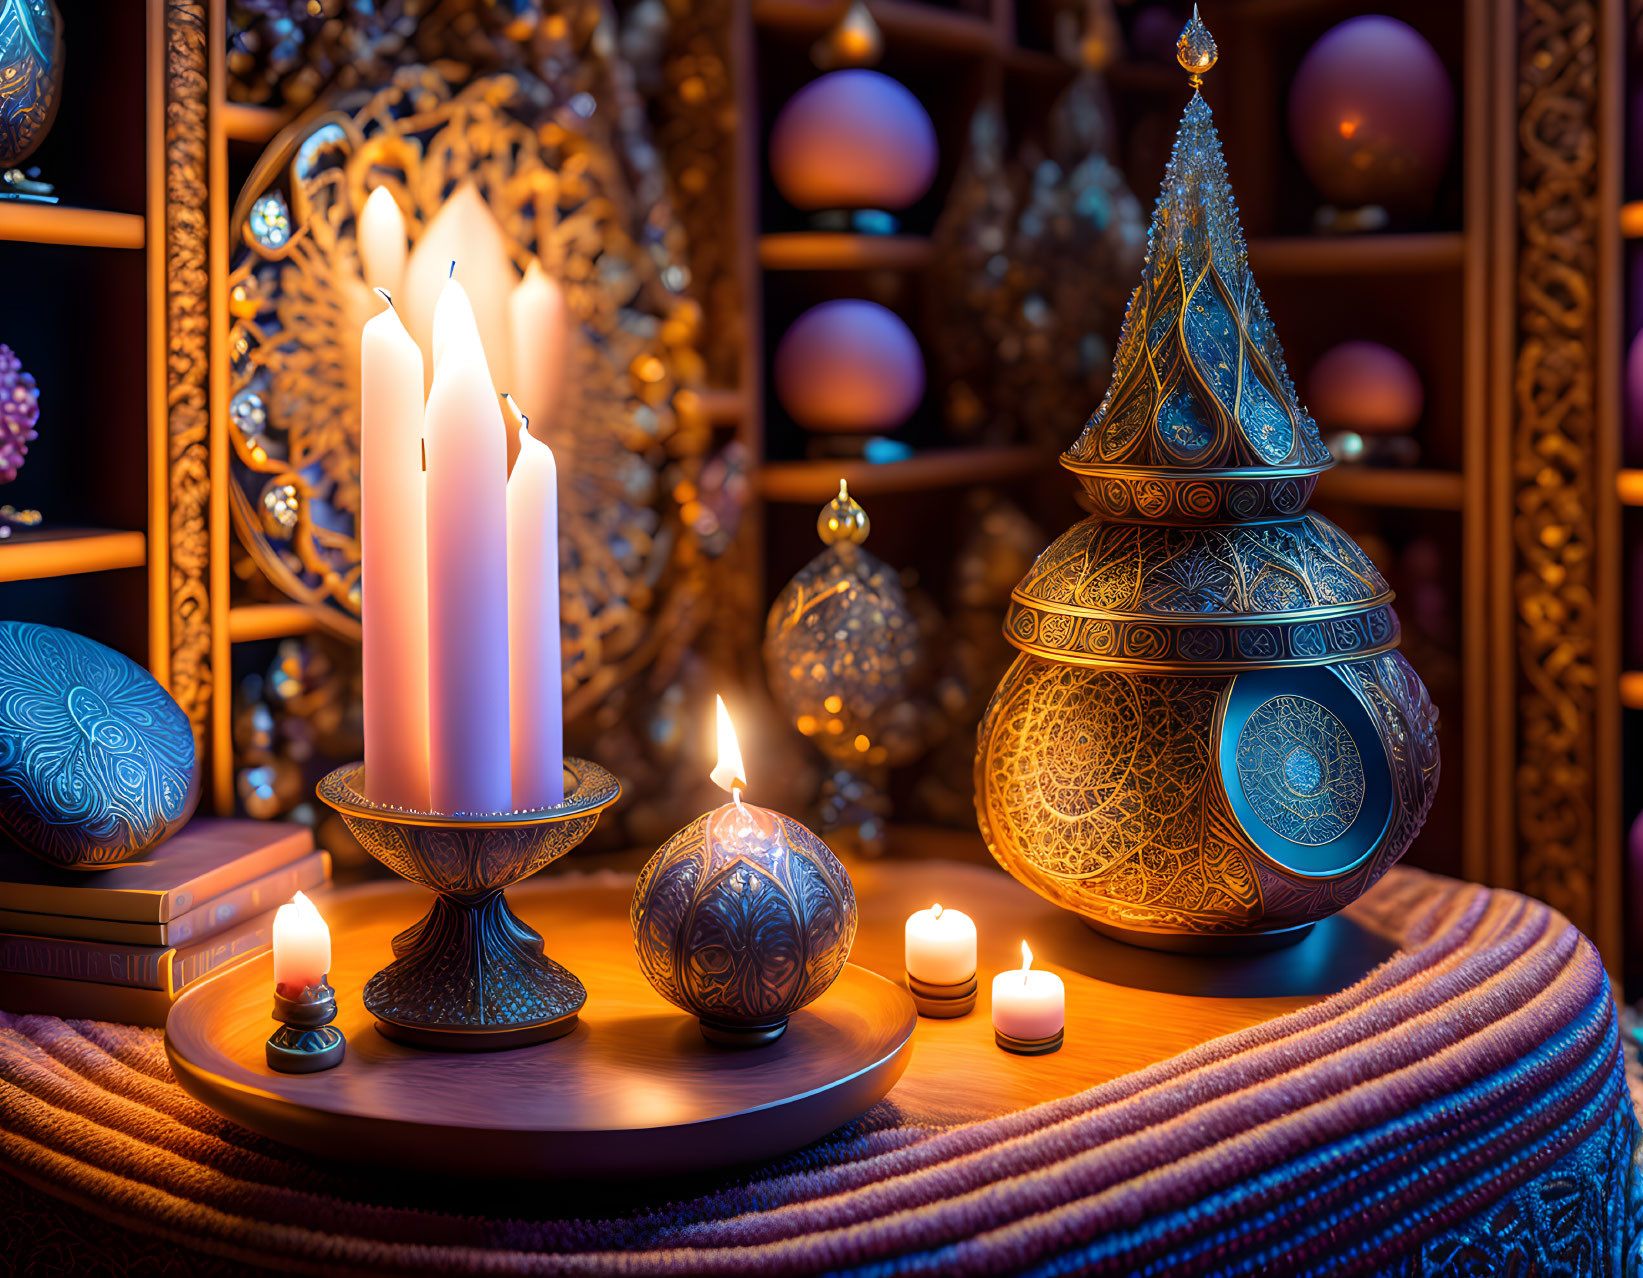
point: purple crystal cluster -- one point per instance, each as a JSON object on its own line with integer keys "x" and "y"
{"x": 19, "y": 411}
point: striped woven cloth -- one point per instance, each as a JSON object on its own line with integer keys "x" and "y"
{"x": 1462, "y": 1109}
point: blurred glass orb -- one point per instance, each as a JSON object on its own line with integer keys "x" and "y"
{"x": 851, "y": 140}
{"x": 1365, "y": 388}
{"x": 1371, "y": 115}
{"x": 849, "y": 366}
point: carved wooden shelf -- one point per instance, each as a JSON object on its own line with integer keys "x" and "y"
{"x": 841, "y": 251}
{"x": 1405, "y": 254}
{"x": 940, "y": 468}
{"x": 1391, "y": 486}
{"x": 59, "y": 552}
{"x": 57, "y": 224}
{"x": 244, "y": 123}
{"x": 723, "y": 405}
{"x": 905, "y": 24}
{"x": 251, "y": 622}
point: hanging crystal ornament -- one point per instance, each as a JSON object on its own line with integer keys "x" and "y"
{"x": 1208, "y": 740}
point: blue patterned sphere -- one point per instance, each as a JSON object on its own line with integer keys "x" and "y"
{"x": 742, "y": 918}
{"x": 97, "y": 761}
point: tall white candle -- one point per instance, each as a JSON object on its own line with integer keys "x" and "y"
{"x": 941, "y": 946}
{"x": 537, "y": 689}
{"x": 464, "y": 231}
{"x": 302, "y": 946}
{"x": 381, "y": 236}
{"x": 469, "y": 766}
{"x": 394, "y": 564}
{"x": 539, "y": 325}
{"x": 1028, "y": 1003}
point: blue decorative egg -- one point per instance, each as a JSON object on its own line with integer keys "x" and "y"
{"x": 97, "y": 762}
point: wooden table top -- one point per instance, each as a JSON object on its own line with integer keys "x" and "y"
{"x": 1126, "y": 1008}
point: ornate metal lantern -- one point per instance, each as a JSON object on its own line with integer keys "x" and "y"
{"x": 1208, "y": 740}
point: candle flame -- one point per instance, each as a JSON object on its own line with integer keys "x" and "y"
{"x": 935, "y": 910}
{"x": 1026, "y": 961}
{"x": 728, "y": 773}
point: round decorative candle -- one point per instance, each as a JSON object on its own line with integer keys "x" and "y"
{"x": 1029, "y": 1008}
{"x": 742, "y": 917}
{"x": 304, "y": 1002}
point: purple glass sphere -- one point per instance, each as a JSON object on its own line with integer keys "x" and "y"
{"x": 849, "y": 366}
{"x": 853, "y": 140}
{"x": 1371, "y": 115}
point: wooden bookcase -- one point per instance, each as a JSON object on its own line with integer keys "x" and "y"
{"x": 120, "y": 289}
{"x": 80, "y": 278}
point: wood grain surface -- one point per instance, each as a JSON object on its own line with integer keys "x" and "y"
{"x": 638, "y": 1075}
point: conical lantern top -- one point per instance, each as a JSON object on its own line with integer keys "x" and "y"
{"x": 1200, "y": 393}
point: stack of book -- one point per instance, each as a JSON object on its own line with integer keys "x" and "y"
{"x": 122, "y": 944}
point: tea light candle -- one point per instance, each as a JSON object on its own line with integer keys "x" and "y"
{"x": 1029, "y": 1008}
{"x": 941, "y": 946}
{"x": 302, "y": 947}
{"x": 941, "y": 961}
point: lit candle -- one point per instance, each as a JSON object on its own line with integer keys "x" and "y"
{"x": 464, "y": 231}
{"x": 381, "y": 235}
{"x": 538, "y": 323}
{"x": 941, "y": 946}
{"x": 537, "y": 689}
{"x": 1029, "y": 1006}
{"x": 469, "y": 763}
{"x": 394, "y": 564}
{"x": 302, "y": 947}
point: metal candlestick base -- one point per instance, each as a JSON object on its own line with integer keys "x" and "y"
{"x": 470, "y": 976}
{"x": 942, "y": 1002}
{"x": 306, "y": 1042}
{"x": 1029, "y": 1046}
{"x": 742, "y": 1035}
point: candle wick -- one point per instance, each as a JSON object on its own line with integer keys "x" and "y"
{"x": 424, "y": 443}
{"x": 736, "y": 794}
{"x": 388, "y": 297}
{"x": 451, "y": 274}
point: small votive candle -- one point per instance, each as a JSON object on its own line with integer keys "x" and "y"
{"x": 1029, "y": 1008}
{"x": 941, "y": 961}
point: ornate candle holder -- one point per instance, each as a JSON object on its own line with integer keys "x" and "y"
{"x": 470, "y": 976}
{"x": 742, "y": 918}
{"x": 306, "y": 1042}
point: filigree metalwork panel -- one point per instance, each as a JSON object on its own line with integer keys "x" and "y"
{"x": 1304, "y": 566}
{"x": 743, "y": 917}
{"x": 1300, "y": 769}
{"x": 1108, "y": 791}
{"x": 545, "y": 163}
{"x": 1555, "y": 483}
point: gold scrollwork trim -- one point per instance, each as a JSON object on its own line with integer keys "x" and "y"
{"x": 187, "y": 367}
{"x": 1554, "y": 444}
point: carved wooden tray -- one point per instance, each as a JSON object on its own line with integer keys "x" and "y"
{"x": 633, "y": 1091}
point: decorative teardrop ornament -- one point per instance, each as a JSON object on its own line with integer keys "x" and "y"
{"x": 1208, "y": 740}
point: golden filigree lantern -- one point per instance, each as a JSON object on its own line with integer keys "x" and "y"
{"x": 1208, "y": 740}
